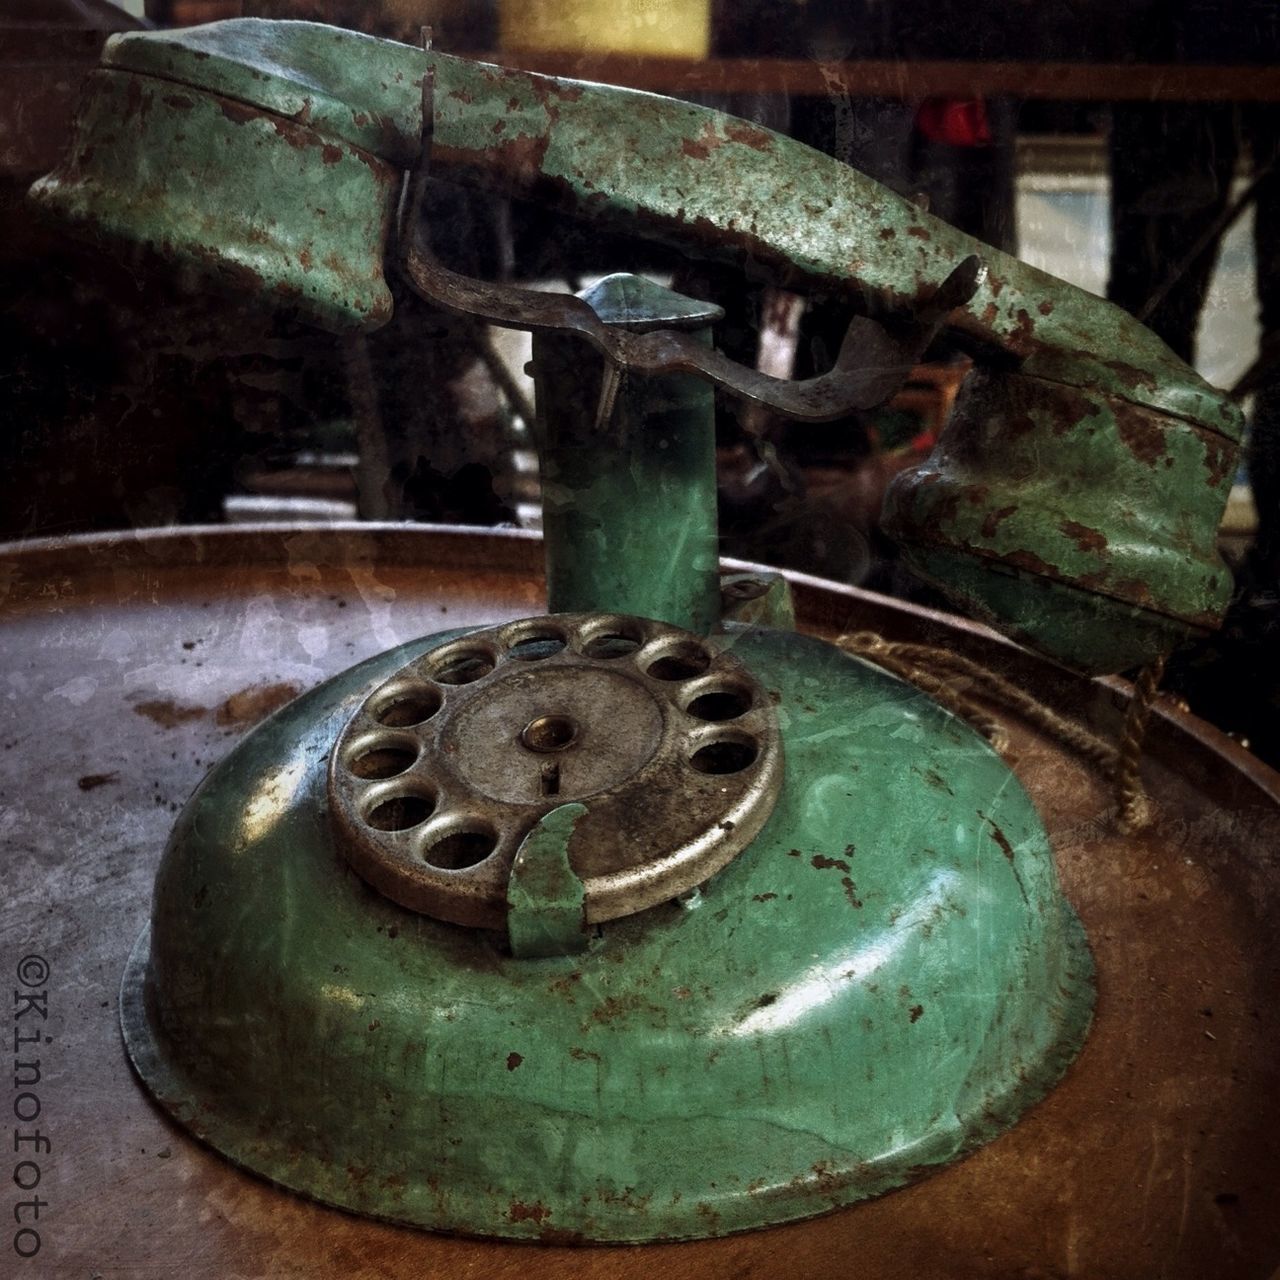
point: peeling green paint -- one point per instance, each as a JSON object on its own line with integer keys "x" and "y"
{"x": 883, "y": 980}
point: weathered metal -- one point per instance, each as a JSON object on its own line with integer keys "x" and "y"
{"x": 546, "y": 900}
{"x": 681, "y": 171}
{"x": 871, "y": 365}
{"x": 693, "y": 175}
{"x": 295, "y": 216}
{"x": 761, "y": 599}
{"x": 146, "y": 656}
{"x": 627, "y": 467}
{"x": 886, "y": 977}
{"x": 446, "y": 767}
{"x": 886, "y": 974}
{"x": 1084, "y": 524}
{"x": 271, "y": 96}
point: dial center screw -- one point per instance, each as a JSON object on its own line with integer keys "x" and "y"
{"x": 549, "y": 733}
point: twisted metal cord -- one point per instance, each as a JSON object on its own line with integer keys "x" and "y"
{"x": 947, "y": 676}
{"x": 1132, "y": 802}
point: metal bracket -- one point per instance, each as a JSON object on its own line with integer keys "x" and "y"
{"x": 873, "y": 361}
{"x": 546, "y": 902}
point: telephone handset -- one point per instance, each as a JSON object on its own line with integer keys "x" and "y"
{"x": 1075, "y": 494}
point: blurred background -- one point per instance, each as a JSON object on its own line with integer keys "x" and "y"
{"x": 1128, "y": 147}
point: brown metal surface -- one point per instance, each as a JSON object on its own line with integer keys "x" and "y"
{"x": 131, "y": 664}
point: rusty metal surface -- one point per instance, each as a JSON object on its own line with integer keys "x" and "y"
{"x": 131, "y": 664}
{"x": 447, "y": 766}
{"x": 1087, "y": 525}
{"x": 274, "y": 172}
{"x": 704, "y": 181}
{"x": 870, "y": 366}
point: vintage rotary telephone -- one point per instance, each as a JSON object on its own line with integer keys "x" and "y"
{"x": 636, "y": 920}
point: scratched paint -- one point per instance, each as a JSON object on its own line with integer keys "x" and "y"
{"x": 784, "y": 1046}
{"x": 1081, "y": 522}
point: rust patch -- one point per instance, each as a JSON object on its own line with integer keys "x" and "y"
{"x": 1137, "y": 592}
{"x": 255, "y": 703}
{"x": 613, "y": 1008}
{"x": 704, "y": 144}
{"x": 237, "y": 112}
{"x": 299, "y": 137}
{"x": 822, "y": 862}
{"x": 1045, "y": 308}
{"x": 917, "y": 1010}
{"x": 1085, "y": 538}
{"x": 169, "y": 714}
{"x": 887, "y": 233}
{"x": 1140, "y": 433}
{"x": 850, "y": 891}
{"x": 522, "y": 1212}
{"x": 91, "y": 781}
{"x": 763, "y": 897}
{"x": 749, "y": 135}
{"x": 1219, "y": 460}
{"x": 709, "y": 1215}
{"x": 551, "y": 93}
{"x": 996, "y": 285}
{"x": 465, "y": 96}
{"x": 937, "y": 781}
{"x": 993, "y": 519}
{"x": 920, "y": 233}
{"x": 579, "y": 1054}
{"x": 1067, "y": 411}
{"x": 514, "y": 1060}
{"x": 823, "y": 1176}
{"x": 1031, "y": 562}
{"x": 1131, "y": 375}
{"x": 179, "y": 102}
{"x": 1000, "y": 838}
{"x": 331, "y": 154}
{"x": 523, "y": 154}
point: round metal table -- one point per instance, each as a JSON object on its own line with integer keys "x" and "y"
{"x": 133, "y": 662}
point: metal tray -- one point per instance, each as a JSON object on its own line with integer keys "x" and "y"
{"x": 132, "y": 662}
